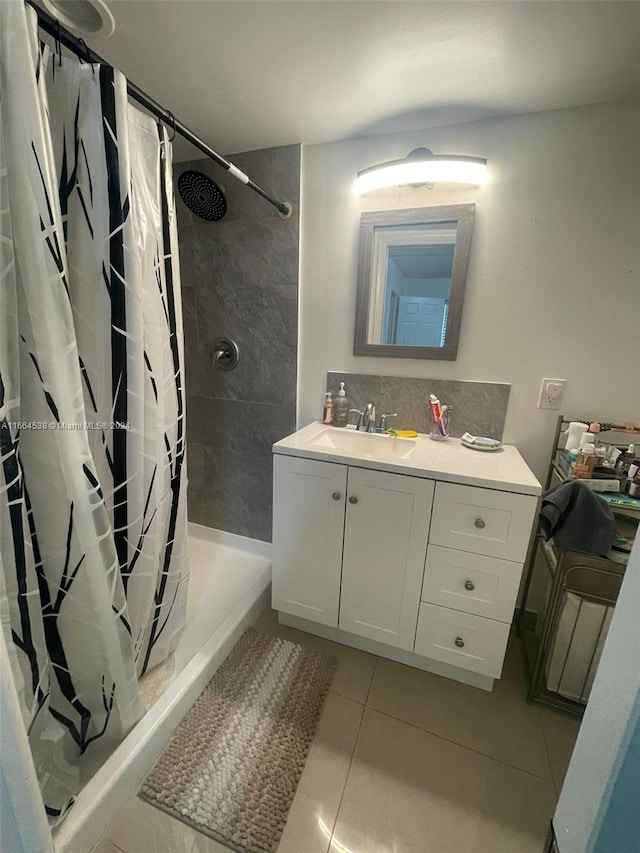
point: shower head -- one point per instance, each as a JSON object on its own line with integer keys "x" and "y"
{"x": 202, "y": 195}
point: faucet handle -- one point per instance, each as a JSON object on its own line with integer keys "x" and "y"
{"x": 383, "y": 420}
{"x": 360, "y": 416}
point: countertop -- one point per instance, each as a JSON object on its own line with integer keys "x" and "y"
{"x": 449, "y": 461}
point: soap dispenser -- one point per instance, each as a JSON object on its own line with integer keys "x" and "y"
{"x": 327, "y": 412}
{"x": 341, "y": 408}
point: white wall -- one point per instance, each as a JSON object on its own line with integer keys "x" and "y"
{"x": 553, "y": 287}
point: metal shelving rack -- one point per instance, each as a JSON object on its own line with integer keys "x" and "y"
{"x": 590, "y": 579}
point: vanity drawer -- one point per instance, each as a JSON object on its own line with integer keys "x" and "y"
{"x": 483, "y": 521}
{"x": 485, "y": 586}
{"x": 460, "y": 639}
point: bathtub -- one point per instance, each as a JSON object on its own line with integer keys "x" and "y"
{"x": 229, "y": 588}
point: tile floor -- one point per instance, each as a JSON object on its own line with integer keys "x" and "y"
{"x": 404, "y": 762}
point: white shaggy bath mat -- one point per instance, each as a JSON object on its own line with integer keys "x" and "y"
{"x": 232, "y": 768}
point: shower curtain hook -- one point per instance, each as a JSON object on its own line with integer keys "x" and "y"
{"x": 87, "y": 58}
{"x": 173, "y": 125}
{"x": 58, "y": 43}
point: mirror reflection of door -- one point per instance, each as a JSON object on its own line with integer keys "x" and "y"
{"x": 416, "y": 296}
{"x": 420, "y": 321}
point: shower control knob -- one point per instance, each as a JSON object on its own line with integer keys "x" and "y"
{"x": 469, "y": 585}
{"x": 479, "y": 523}
{"x": 353, "y": 499}
{"x": 336, "y": 496}
{"x": 459, "y": 642}
{"x": 224, "y": 354}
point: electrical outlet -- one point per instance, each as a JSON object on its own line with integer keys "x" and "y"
{"x": 551, "y": 392}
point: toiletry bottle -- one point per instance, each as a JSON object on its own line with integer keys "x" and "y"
{"x": 585, "y": 438}
{"x": 625, "y": 460}
{"x": 576, "y": 429}
{"x": 327, "y": 412}
{"x": 629, "y": 485}
{"x": 341, "y": 408}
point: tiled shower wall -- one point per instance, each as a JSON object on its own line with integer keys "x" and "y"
{"x": 240, "y": 281}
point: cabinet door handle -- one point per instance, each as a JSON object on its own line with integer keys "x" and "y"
{"x": 479, "y": 523}
{"x": 336, "y": 496}
{"x": 353, "y": 499}
{"x": 459, "y": 642}
{"x": 469, "y": 585}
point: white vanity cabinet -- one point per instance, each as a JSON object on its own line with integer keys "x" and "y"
{"x": 348, "y": 547}
{"x": 413, "y": 553}
{"x": 308, "y": 526}
{"x": 385, "y": 538}
{"x": 469, "y": 591}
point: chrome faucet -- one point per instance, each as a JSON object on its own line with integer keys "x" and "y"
{"x": 369, "y": 418}
{"x": 366, "y": 418}
{"x": 382, "y": 426}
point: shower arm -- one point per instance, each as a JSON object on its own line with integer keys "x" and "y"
{"x": 65, "y": 37}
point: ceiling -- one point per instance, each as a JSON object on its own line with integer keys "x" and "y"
{"x": 247, "y": 74}
{"x": 423, "y": 261}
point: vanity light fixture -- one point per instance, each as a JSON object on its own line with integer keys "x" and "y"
{"x": 422, "y": 167}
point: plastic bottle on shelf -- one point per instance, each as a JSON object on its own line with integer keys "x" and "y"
{"x": 625, "y": 461}
{"x": 631, "y": 484}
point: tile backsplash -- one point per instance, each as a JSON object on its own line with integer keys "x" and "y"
{"x": 478, "y": 407}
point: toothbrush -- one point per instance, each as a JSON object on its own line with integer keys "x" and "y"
{"x": 436, "y": 412}
{"x": 442, "y": 411}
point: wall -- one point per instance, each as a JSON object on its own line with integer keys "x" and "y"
{"x": 620, "y": 827}
{"x": 240, "y": 280}
{"x": 598, "y": 807}
{"x": 553, "y": 283}
{"x": 477, "y": 407}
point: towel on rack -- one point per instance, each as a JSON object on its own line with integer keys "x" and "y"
{"x": 577, "y": 519}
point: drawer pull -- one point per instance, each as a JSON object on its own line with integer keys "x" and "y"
{"x": 353, "y": 499}
{"x": 336, "y": 496}
{"x": 459, "y": 642}
{"x": 479, "y": 523}
{"x": 469, "y": 585}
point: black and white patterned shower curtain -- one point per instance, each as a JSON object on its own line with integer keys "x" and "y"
{"x": 93, "y": 554}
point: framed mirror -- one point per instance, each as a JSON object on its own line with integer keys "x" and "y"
{"x": 411, "y": 276}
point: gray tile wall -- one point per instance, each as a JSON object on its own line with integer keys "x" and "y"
{"x": 240, "y": 280}
{"x": 478, "y": 407}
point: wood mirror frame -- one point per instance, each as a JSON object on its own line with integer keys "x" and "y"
{"x": 462, "y": 215}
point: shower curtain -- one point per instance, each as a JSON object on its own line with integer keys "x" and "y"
{"x": 93, "y": 554}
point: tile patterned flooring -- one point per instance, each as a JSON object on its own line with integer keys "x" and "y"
{"x": 404, "y": 762}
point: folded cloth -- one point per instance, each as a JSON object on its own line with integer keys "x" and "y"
{"x": 577, "y": 519}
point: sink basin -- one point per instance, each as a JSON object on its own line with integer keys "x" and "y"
{"x": 363, "y": 445}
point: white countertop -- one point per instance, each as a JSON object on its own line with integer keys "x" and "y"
{"x": 449, "y": 460}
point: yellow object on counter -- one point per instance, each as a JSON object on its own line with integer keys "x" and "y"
{"x": 406, "y": 433}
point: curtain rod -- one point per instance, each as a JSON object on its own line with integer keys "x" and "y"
{"x": 65, "y": 37}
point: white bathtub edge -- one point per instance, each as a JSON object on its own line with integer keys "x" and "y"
{"x": 100, "y": 801}
{"x": 233, "y": 540}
